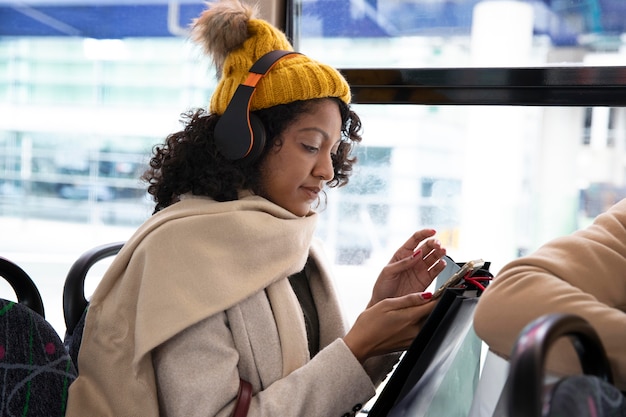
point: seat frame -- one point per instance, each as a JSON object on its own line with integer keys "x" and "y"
{"x": 74, "y": 300}
{"x": 24, "y": 287}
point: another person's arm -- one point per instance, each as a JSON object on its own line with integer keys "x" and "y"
{"x": 583, "y": 273}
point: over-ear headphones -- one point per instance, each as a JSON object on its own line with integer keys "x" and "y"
{"x": 238, "y": 134}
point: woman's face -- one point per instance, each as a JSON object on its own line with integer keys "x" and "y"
{"x": 293, "y": 174}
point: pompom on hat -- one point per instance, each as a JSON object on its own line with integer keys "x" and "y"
{"x": 234, "y": 38}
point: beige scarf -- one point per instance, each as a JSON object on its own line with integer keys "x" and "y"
{"x": 186, "y": 263}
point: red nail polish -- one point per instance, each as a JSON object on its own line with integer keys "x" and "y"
{"x": 426, "y": 295}
{"x": 416, "y": 253}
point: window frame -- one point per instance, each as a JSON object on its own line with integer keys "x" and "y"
{"x": 537, "y": 86}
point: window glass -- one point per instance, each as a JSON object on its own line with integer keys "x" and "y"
{"x": 494, "y": 181}
{"x": 78, "y": 120}
{"x": 83, "y": 100}
{"x": 462, "y": 33}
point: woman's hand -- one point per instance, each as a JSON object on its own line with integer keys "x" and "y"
{"x": 388, "y": 326}
{"x": 411, "y": 269}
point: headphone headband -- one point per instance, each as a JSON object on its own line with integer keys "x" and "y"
{"x": 235, "y": 132}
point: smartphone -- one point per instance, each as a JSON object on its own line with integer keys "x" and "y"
{"x": 458, "y": 276}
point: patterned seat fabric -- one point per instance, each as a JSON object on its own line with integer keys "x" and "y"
{"x": 586, "y": 396}
{"x": 73, "y": 340}
{"x": 35, "y": 368}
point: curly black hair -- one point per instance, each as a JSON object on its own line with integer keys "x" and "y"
{"x": 189, "y": 161}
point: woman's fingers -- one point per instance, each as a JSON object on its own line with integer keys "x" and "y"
{"x": 417, "y": 238}
{"x": 408, "y": 301}
{"x": 419, "y": 245}
{"x": 389, "y": 326}
{"x": 437, "y": 265}
{"x": 431, "y": 261}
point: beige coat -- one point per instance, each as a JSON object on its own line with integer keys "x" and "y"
{"x": 243, "y": 342}
{"x": 584, "y": 274}
{"x": 222, "y": 268}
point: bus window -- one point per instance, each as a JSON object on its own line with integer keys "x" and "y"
{"x": 82, "y": 101}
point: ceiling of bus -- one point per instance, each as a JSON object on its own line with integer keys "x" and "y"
{"x": 562, "y": 20}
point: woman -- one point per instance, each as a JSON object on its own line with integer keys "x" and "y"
{"x": 225, "y": 281}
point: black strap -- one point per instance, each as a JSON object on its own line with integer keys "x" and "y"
{"x": 267, "y": 61}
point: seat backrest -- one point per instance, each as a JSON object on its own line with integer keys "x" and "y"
{"x": 35, "y": 369}
{"x": 24, "y": 287}
{"x": 590, "y": 394}
{"x": 74, "y": 301}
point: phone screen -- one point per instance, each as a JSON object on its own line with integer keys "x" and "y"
{"x": 458, "y": 276}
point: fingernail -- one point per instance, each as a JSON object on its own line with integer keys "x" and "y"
{"x": 426, "y": 295}
{"x": 416, "y": 253}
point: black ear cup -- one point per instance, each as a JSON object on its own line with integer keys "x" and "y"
{"x": 239, "y": 135}
{"x": 259, "y": 135}
{"x": 234, "y": 134}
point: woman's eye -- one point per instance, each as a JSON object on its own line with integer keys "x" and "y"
{"x": 310, "y": 148}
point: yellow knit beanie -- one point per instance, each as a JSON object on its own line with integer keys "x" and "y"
{"x": 235, "y": 39}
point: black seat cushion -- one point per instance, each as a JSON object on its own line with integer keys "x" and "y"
{"x": 586, "y": 396}
{"x": 73, "y": 340}
{"x": 35, "y": 368}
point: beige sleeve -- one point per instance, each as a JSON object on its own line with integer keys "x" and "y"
{"x": 583, "y": 273}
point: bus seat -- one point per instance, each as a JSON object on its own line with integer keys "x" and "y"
{"x": 74, "y": 301}
{"x": 24, "y": 287}
{"x": 527, "y": 392}
{"x": 35, "y": 369}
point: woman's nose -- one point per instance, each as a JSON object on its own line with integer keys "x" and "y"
{"x": 324, "y": 168}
